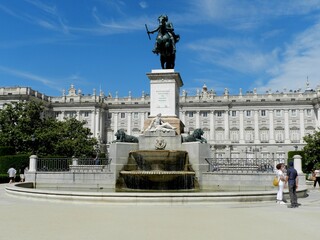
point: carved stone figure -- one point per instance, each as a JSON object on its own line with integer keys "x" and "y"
{"x": 196, "y": 136}
{"x": 121, "y": 136}
{"x": 157, "y": 124}
{"x": 165, "y": 42}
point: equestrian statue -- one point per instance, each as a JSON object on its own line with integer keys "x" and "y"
{"x": 165, "y": 42}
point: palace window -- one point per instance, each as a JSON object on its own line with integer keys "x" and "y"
{"x": 135, "y": 115}
{"x": 295, "y": 135}
{"x": 204, "y": 114}
{"x": 293, "y": 113}
{"x": 122, "y": 115}
{"x": 233, "y": 113}
{"x": 190, "y": 114}
{"x": 278, "y": 113}
{"x": 248, "y": 113}
{"x": 279, "y": 135}
{"x": 234, "y": 135}
{"x": 309, "y": 113}
{"x": 263, "y": 113}
{"x": 264, "y": 135}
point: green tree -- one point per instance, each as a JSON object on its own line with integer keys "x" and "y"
{"x": 20, "y": 122}
{"x": 312, "y": 149}
{"x": 67, "y": 138}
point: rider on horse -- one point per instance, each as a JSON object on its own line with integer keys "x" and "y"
{"x": 165, "y": 34}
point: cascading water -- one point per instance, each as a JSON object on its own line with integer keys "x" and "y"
{"x": 157, "y": 170}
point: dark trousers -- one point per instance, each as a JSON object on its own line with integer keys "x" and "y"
{"x": 316, "y": 181}
{"x": 293, "y": 195}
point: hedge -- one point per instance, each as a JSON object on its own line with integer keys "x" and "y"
{"x": 4, "y": 178}
{"x": 4, "y": 150}
{"x": 15, "y": 161}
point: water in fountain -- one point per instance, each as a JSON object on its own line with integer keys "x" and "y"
{"x": 157, "y": 170}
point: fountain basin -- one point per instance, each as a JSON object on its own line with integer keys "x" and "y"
{"x": 165, "y": 160}
{"x": 158, "y": 176}
{"x": 157, "y": 170}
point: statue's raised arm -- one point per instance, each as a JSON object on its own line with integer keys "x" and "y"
{"x": 165, "y": 42}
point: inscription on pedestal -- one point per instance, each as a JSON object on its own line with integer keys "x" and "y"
{"x": 163, "y": 98}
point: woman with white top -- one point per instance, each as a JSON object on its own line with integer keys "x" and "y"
{"x": 282, "y": 182}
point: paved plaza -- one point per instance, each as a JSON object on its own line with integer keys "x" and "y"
{"x": 28, "y": 219}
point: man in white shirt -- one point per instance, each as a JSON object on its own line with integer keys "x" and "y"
{"x": 12, "y": 174}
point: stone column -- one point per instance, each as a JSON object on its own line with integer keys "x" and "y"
{"x": 74, "y": 161}
{"x": 78, "y": 115}
{"x": 212, "y": 125}
{"x": 62, "y": 116}
{"x": 197, "y": 113}
{"x": 183, "y": 118}
{"x": 142, "y": 118}
{"x": 301, "y": 119}
{"x": 297, "y": 163}
{"x": 241, "y": 127}
{"x": 97, "y": 119}
{"x": 226, "y": 126}
{"x": 93, "y": 121}
{"x": 115, "y": 122}
{"x": 33, "y": 163}
{"x": 129, "y": 123}
{"x": 286, "y": 126}
{"x": 256, "y": 126}
{"x": 271, "y": 127}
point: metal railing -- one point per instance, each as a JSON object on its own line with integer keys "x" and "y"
{"x": 240, "y": 165}
{"x": 63, "y": 164}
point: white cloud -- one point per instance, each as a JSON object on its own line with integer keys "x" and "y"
{"x": 143, "y": 4}
{"x": 301, "y": 60}
{"x": 240, "y": 55}
{"x": 29, "y": 76}
{"x": 245, "y": 14}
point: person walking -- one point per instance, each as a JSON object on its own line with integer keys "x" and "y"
{"x": 282, "y": 182}
{"x": 293, "y": 180}
{"x": 317, "y": 178}
{"x": 12, "y": 174}
{"x": 22, "y": 171}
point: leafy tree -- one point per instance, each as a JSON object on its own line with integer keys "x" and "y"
{"x": 20, "y": 122}
{"x": 67, "y": 138}
{"x": 312, "y": 149}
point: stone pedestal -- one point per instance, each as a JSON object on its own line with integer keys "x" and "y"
{"x": 119, "y": 153}
{"x": 164, "y": 92}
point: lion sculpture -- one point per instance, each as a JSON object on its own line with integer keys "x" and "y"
{"x": 196, "y": 136}
{"x": 121, "y": 136}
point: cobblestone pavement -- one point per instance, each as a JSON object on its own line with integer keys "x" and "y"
{"x": 28, "y": 219}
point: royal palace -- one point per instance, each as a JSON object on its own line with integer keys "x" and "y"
{"x": 247, "y": 125}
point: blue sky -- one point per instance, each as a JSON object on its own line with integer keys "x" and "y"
{"x": 102, "y": 44}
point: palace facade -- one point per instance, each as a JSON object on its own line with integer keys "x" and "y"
{"x": 247, "y": 125}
